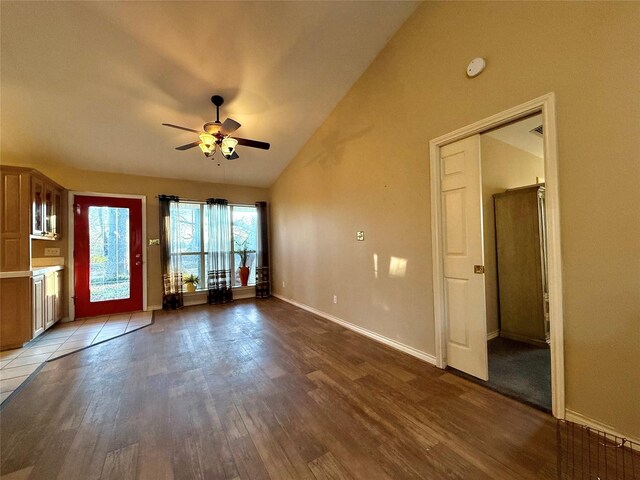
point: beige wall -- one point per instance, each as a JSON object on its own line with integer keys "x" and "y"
{"x": 503, "y": 166}
{"x": 101, "y": 182}
{"x": 367, "y": 168}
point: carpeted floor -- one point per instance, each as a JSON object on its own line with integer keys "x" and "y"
{"x": 518, "y": 370}
{"x": 521, "y": 371}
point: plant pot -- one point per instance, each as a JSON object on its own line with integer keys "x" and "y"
{"x": 191, "y": 287}
{"x": 244, "y": 276}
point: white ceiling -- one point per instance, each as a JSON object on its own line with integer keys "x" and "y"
{"x": 87, "y": 84}
{"x": 519, "y": 135}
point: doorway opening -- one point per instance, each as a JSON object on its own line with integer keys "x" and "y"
{"x": 108, "y": 271}
{"x": 515, "y": 261}
{"x": 473, "y": 334}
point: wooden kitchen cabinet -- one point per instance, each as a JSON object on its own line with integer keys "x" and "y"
{"x": 46, "y": 207}
{"x": 38, "y": 308}
{"x": 53, "y": 298}
{"x": 15, "y": 219}
{"x": 30, "y": 305}
{"x": 15, "y": 312}
{"x": 59, "y": 295}
{"x": 47, "y": 300}
{"x": 37, "y": 206}
{"x": 50, "y": 300}
{"x": 32, "y": 208}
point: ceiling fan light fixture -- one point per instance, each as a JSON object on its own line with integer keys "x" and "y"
{"x": 207, "y": 150}
{"x": 228, "y": 146}
{"x": 208, "y": 140}
{"x": 208, "y": 145}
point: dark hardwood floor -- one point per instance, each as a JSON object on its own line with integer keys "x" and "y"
{"x": 261, "y": 389}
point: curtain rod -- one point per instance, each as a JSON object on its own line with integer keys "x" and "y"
{"x": 204, "y": 202}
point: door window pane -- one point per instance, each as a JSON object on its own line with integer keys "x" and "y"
{"x": 109, "y": 262}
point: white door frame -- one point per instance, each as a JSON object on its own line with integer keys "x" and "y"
{"x": 546, "y": 105}
{"x": 71, "y": 279}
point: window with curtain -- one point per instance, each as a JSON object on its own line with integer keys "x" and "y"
{"x": 190, "y": 240}
{"x": 172, "y": 280}
{"x": 188, "y": 243}
{"x": 244, "y": 225}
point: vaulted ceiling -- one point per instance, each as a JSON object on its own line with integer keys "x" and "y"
{"x": 88, "y": 84}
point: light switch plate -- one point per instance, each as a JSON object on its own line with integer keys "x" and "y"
{"x": 360, "y": 236}
{"x": 51, "y": 252}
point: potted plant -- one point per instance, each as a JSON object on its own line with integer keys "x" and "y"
{"x": 191, "y": 281}
{"x": 243, "y": 251}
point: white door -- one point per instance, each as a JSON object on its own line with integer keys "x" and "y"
{"x": 462, "y": 246}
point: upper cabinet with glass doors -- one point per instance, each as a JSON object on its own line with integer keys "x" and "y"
{"x": 46, "y": 208}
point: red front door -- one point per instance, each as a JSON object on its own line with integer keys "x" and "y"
{"x": 107, "y": 255}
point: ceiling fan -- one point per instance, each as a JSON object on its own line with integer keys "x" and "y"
{"x": 216, "y": 135}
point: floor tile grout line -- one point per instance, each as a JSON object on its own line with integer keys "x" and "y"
{"x": 49, "y": 359}
{"x": 21, "y": 386}
{"x": 8, "y": 365}
{"x": 106, "y": 339}
{"x": 6, "y": 370}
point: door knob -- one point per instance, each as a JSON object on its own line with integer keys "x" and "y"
{"x": 138, "y": 263}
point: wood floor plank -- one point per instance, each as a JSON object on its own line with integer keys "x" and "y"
{"x": 280, "y": 460}
{"x": 326, "y": 467}
{"x": 121, "y": 464}
{"x": 85, "y": 457}
{"x": 18, "y": 474}
{"x": 154, "y": 464}
{"x": 260, "y": 389}
{"x": 247, "y": 458}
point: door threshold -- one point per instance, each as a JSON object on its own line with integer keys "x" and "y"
{"x": 506, "y": 393}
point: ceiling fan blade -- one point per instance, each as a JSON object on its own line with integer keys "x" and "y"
{"x": 252, "y": 143}
{"x": 188, "y": 146}
{"x": 229, "y": 126}
{"x": 181, "y": 128}
{"x": 233, "y": 156}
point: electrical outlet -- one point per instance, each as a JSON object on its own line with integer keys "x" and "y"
{"x": 283, "y": 284}
{"x": 360, "y": 236}
{"x": 51, "y": 252}
{"x": 154, "y": 241}
{"x": 335, "y": 299}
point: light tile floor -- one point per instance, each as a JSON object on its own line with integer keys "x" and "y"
{"x": 61, "y": 339}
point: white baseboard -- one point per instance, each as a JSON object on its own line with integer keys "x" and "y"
{"x": 590, "y": 422}
{"x": 427, "y": 357}
{"x": 492, "y": 335}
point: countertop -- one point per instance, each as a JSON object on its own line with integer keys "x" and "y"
{"x": 40, "y": 266}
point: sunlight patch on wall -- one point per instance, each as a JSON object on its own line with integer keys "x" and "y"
{"x": 375, "y": 265}
{"x": 397, "y": 267}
